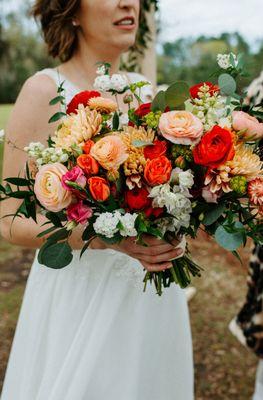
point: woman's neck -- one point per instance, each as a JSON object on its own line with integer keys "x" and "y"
{"x": 81, "y": 68}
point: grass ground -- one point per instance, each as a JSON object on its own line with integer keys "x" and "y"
{"x": 224, "y": 370}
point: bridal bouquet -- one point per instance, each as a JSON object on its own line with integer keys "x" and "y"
{"x": 188, "y": 160}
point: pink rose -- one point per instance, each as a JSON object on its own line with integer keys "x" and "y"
{"x": 79, "y": 212}
{"x": 243, "y": 121}
{"x": 75, "y": 175}
{"x": 48, "y": 187}
{"x": 181, "y": 127}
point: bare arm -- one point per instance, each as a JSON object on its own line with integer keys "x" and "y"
{"x": 28, "y": 122}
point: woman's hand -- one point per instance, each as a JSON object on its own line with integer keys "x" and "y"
{"x": 155, "y": 257}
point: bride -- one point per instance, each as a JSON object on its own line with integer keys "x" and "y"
{"x": 88, "y": 332}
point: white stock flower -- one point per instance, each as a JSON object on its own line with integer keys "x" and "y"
{"x": 128, "y": 220}
{"x": 102, "y": 83}
{"x": 101, "y": 70}
{"x": 119, "y": 82}
{"x": 124, "y": 120}
{"x": 106, "y": 224}
{"x": 223, "y": 60}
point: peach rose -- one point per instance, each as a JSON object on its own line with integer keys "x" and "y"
{"x": 103, "y": 105}
{"x": 99, "y": 188}
{"x": 48, "y": 187}
{"x": 181, "y": 127}
{"x": 110, "y": 152}
{"x": 157, "y": 171}
{"x": 243, "y": 121}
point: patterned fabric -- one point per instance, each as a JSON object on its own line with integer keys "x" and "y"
{"x": 250, "y": 318}
{"x": 248, "y": 325}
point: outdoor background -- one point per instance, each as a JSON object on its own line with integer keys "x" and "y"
{"x": 191, "y": 33}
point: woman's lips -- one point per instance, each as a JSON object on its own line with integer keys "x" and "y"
{"x": 126, "y": 23}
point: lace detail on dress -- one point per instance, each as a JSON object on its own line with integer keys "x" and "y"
{"x": 127, "y": 268}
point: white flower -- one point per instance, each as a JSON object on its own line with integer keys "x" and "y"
{"x": 223, "y": 60}
{"x": 106, "y": 224}
{"x": 118, "y": 82}
{"x": 101, "y": 70}
{"x": 63, "y": 158}
{"x": 225, "y": 122}
{"x": 2, "y": 135}
{"x": 124, "y": 120}
{"x": 102, "y": 83}
{"x": 128, "y": 221}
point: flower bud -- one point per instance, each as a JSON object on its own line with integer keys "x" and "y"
{"x": 238, "y": 184}
{"x": 128, "y": 98}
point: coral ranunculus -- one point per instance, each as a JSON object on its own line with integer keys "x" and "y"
{"x": 195, "y": 90}
{"x": 99, "y": 188}
{"x": 252, "y": 127}
{"x": 88, "y": 164}
{"x": 48, "y": 187}
{"x": 79, "y": 212}
{"x": 157, "y": 171}
{"x": 181, "y": 127}
{"x": 215, "y": 148}
{"x": 110, "y": 152}
{"x": 137, "y": 199}
{"x": 81, "y": 98}
{"x": 157, "y": 149}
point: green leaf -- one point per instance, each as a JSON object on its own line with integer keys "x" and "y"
{"x": 176, "y": 94}
{"x": 18, "y": 181}
{"x": 115, "y": 121}
{"x": 56, "y": 255}
{"x": 49, "y": 230}
{"x": 141, "y": 143}
{"x": 57, "y": 117}
{"x": 54, "y": 218}
{"x": 88, "y": 232}
{"x": 58, "y": 99}
{"x": 227, "y": 84}
{"x": 212, "y": 216}
{"x": 159, "y": 102}
{"x": 230, "y": 240}
{"x": 20, "y": 194}
{"x": 61, "y": 234}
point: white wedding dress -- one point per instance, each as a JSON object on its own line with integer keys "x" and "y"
{"x": 88, "y": 332}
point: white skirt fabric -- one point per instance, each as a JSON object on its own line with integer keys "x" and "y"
{"x": 88, "y": 332}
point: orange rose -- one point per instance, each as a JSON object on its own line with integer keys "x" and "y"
{"x": 99, "y": 188}
{"x": 157, "y": 171}
{"x": 88, "y": 164}
{"x": 87, "y": 146}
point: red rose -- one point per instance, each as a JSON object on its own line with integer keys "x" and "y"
{"x": 81, "y": 98}
{"x": 151, "y": 211}
{"x": 143, "y": 110}
{"x": 196, "y": 88}
{"x": 158, "y": 149}
{"x": 137, "y": 199}
{"x": 157, "y": 171}
{"x": 215, "y": 148}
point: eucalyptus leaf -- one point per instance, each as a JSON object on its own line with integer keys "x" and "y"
{"x": 141, "y": 143}
{"x": 212, "y": 216}
{"x": 227, "y": 84}
{"x": 230, "y": 240}
{"x": 159, "y": 102}
{"x": 176, "y": 94}
{"x": 56, "y": 255}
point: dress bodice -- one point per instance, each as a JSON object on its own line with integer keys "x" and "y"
{"x": 71, "y": 89}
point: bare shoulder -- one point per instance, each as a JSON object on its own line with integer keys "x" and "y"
{"x": 31, "y": 110}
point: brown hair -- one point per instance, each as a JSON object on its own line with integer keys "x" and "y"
{"x": 56, "y": 19}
